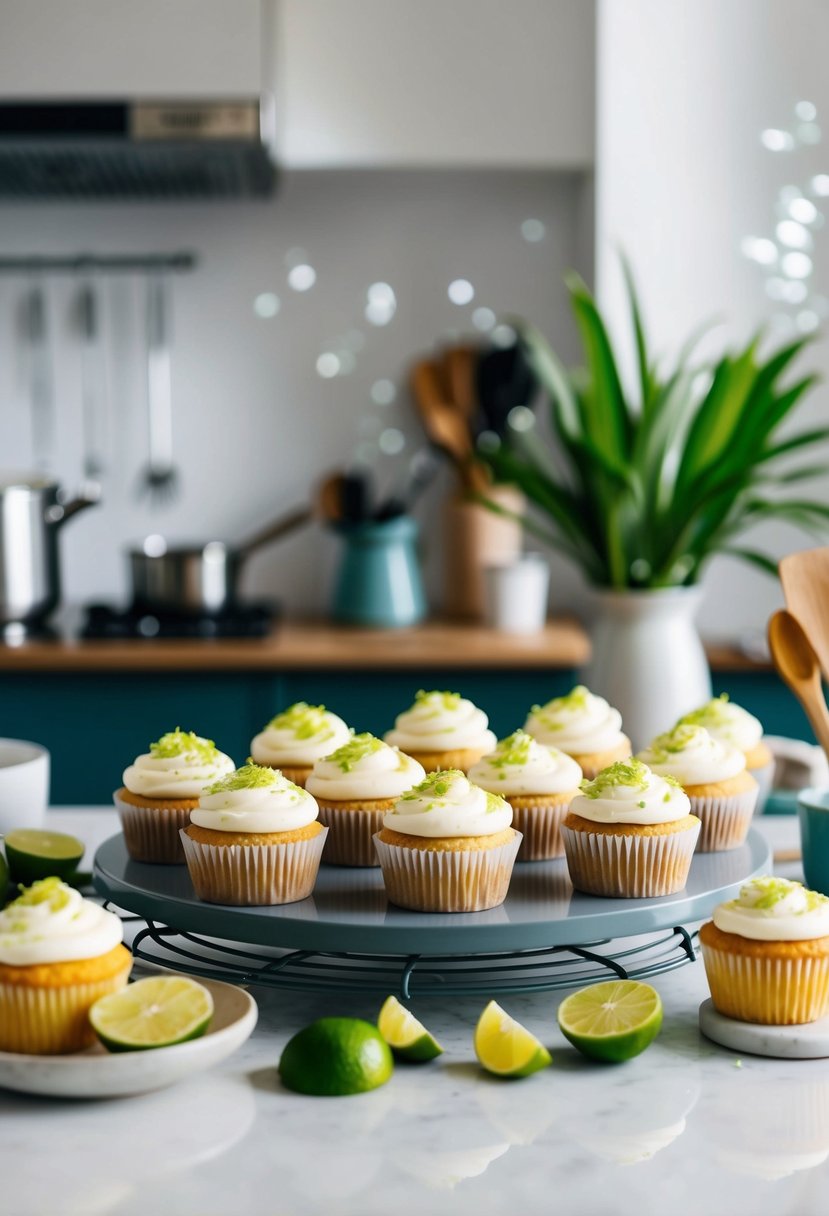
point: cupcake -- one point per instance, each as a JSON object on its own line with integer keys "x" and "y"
{"x": 442, "y": 730}
{"x": 160, "y": 790}
{"x": 738, "y": 728}
{"x": 539, "y": 783}
{"x": 254, "y": 839}
{"x": 630, "y": 834}
{"x": 59, "y": 953}
{"x": 447, "y": 846}
{"x": 713, "y": 774}
{"x": 355, "y": 788}
{"x": 582, "y": 725}
{"x": 766, "y": 954}
{"x": 294, "y": 739}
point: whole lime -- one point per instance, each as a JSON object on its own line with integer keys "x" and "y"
{"x": 336, "y": 1056}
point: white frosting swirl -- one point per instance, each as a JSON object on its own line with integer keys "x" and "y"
{"x": 364, "y": 769}
{"x": 775, "y": 910}
{"x": 520, "y": 765}
{"x": 579, "y": 724}
{"x": 53, "y": 923}
{"x": 439, "y": 722}
{"x": 447, "y": 804}
{"x": 255, "y": 799}
{"x": 179, "y": 765}
{"x": 299, "y": 735}
{"x": 692, "y": 756}
{"x": 729, "y": 723}
{"x": 629, "y": 792}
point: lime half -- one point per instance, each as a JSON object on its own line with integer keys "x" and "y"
{"x": 613, "y": 1021}
{"x": 505, "y": 1048}
{"x": 408, "y": 1038}
{"x": 33, "y": 854}
{"x": 155, "y": 1012}
{"x": 336, "y": 1056}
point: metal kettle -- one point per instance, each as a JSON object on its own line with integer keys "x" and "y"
{"x": 31, "y": 516}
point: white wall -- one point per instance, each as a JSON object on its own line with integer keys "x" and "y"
{"x": 684, "y": 90}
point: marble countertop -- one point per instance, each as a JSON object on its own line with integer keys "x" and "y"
{"x": 687, "y": 1128}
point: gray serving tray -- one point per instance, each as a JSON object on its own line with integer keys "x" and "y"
{"x": 349, "y": 912}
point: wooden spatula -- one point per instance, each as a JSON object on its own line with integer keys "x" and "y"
{"x": 805, "y": 579}
{"x": 798, "y": 666}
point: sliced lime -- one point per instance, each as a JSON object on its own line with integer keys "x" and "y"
{"x": 33, "y": 854}
{"x": 408, "y": 1038}
{"x": 507, "y": 1048}
{"x": 613, "y": 1021}
{"x": 156, "y": 1012}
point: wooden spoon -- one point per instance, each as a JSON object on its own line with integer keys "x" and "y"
{"x": 798, "y": 666}
{"x": 805, "y": 579}
{"x": 446, "y": 426}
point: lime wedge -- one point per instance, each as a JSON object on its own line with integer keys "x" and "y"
{"x": 613, "y": 1021}
{"x": 334, "y": 1057}
{"x": 33, "y": 854}
{"x": 505, "y": 1047}
{"x": 155, "y": 1012}
{"x": 408, "y": 1038}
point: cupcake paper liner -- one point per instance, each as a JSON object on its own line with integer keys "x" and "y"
{"x": 725, "y": 821}
{"x": 764, "y": 777}
{"x": 541, "y": 828}
{"x": 351, "y": 835}
{"x": 436, "y": 881}
{"x": 770, "y": 991}
{"x": 152, "y": 834}
{"x": 629, "y": 866}
{"x": 51, "y": 1021}
{"x": 248, "y": 874}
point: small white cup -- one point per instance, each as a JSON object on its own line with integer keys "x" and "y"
{"x": 24, "y": 784}
{"x": 516, "y": 594}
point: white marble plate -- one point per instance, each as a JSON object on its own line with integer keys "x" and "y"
{"x": 807, "y": 1042}
{"x": 96, "y": 1073}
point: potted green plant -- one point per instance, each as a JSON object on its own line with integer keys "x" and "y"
{"x": 641, "y": 489}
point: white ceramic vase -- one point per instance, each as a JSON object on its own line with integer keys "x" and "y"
{"x": 648, "y": 659}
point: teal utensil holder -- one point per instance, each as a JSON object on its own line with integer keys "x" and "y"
{"x": 379, "y": 580}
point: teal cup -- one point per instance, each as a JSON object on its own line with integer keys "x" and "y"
{"x": 813, "y": 813}
{"x": 379, "y": 581}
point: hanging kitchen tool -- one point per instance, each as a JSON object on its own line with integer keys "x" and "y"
{"x": 504, "y": 380}
{"x": 805, "y": 579}
{"x": 447, "y": 427}
{"x": 40, "y": 376}
{"x": 93, "y": 406}
{"x": 159, "y": 478}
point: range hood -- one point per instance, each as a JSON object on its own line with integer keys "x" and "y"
{"x": 136, "y": 150}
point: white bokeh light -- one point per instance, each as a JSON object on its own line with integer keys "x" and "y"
{"x": 809, "y": 133}
{"x": 504, "y": 335}
{"x": 533, "y": 231}
{"x": 383, "y": 392}
{"x": 807, "y": 321}
{"x": 803, "y": 210}
{"x": 328, "y": 365}
{"x": 391, "y": 441}
{"x": 520, "y": 418}
{"x": 794, "y": 291}
{"x": 806, "y": 111}
{"x": 820, "y": 184}
{"x": 776, "y": 140}
{"x": 794, "y": 235}
{"x": 302, "y": 277}
{"x": 461, "y": 291}
{"x": 484, "y": 319}
{"x": 266, "y": 305}
{"x": 759, "y": 249}
{"x": 796, "y": 265}
{"x": 381, "y": 304}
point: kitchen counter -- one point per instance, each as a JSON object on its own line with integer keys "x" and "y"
{"x": 686, "y": 1128}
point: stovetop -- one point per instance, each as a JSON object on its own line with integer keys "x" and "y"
{"x": 252, "y": 620}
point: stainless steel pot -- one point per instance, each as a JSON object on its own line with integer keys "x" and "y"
{"x": 198, "y": 580}
{"x": 31, "y": 516}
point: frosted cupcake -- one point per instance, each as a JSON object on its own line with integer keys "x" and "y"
{"x": 630, "y": 834}
{"x": 766, "y": 954}
{"x": 296, "y": 738}
{"x": 161, "y": 788}
{"x": 254, "y": 839}
{"x": 355, "y": 788}
{"x": 539, "y": 783}
{"x": 713, "y": 774}
{"x": 738, "y": 728}
{"x": 442, "y": 730}
{"x": 582, "y": 725}
{"x": 59, "y": 953}
{"x": 448, "y": 846}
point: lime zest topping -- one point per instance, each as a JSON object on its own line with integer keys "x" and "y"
{"x": 577, "y": 698}
{"x": 631, "y": 773}
{"x": 672, "y": 742}
{"x": 304, "y": 721}
{"x": 436, "y": 785}
{"x": 357, "y": 748}
{"x": 250, "y": 777}
{"x": 438, "y": 701}
{"x": 49, "y": 891}
{"x": 714, "y": 713}
{"x": 494, "y": 802}
{"x": 180, "y": 742}
{"x": 765, "y": 893}
{"x": 515, "y": 750}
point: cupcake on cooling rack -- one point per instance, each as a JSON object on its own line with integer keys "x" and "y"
{"x": 442, "y": 730}
{"x": 582, "y": 725}
{"x": 713, "y": 774}
{"x": 539, "y": 783}
{"x": 254, "y": 839}
{"x": 766, "y": 954}
{"x": 448, "y": 846}
{"x": 736, "y": 727}
{"x": 297, "y": 737}
{"x": 355, "y": 788}
{"x": 630, "y": 834}
{"x": 59, "y": 953}
{"x": 161, "y": 788}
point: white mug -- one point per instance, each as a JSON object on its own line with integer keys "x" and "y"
{"x": 516, "y": 594}
{"x": 24, "y": 784}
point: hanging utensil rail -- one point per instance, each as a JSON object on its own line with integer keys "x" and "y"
{"x": 119, "y": 263}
